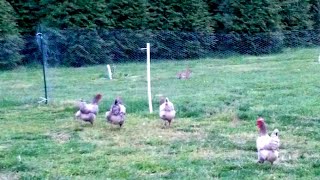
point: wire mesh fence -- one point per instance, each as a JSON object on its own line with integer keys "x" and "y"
{"x": 86, "y": 47}
{"x": 171, "y": 54}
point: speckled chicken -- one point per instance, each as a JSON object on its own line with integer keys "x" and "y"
{"x": 166, "y": 111}
{"x": 88, "y": 111}
{"x": 117, "y": 113}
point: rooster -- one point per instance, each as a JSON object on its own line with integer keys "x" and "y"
{"x": 88, "y": 111}
{"x": 117, "y": 113}
{"x": 267, "y": 146}
{"x": 166, "y": 111}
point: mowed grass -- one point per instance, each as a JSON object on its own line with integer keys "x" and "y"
{"x": 213, "y": 136}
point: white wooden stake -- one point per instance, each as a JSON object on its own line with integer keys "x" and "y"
{"x": 109, "y": 71}
{"x": 149, "y": 78}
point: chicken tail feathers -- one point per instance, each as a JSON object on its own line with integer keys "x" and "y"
{"x": 162, "y": 100}
{"x": 118, "y": 101}
{"x": 96, "y": 99}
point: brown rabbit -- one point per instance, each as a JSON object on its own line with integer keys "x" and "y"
{"x": 184, "y": 74}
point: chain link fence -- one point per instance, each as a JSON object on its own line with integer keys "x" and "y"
{"x": 89, "y": 51}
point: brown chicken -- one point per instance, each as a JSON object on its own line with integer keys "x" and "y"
{"x": 88, "y": 111}
{"x": 117, "y": 113}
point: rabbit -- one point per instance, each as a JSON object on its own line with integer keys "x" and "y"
{"x": 184, "y": 74}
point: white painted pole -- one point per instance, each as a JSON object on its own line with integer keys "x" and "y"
{"x": 109, "y": 71}
{"x": 149, "y": 78}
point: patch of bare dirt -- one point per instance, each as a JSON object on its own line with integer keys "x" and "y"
{"x": 60, "y": 137}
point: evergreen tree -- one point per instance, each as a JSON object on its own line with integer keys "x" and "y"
{"x": 10, "y": 40}
{"x": 127, "y": 14}
{"x": 76, "y": 14}
{"x": 315, "y": 13}
{"x": 247, "y": 26}
{"x": 29, "y": 13}
{"x": 183, "y": 28}
{"x": 295, "y": 15}
{"x": 296, "y": 20}
{"x": 241, "y": 16}
{"x": 76, "y": 47}
{"x": 72, "y": 32}
{"x": 192, "y": 15}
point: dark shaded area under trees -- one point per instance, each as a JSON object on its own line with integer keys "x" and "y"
{"x": 79, "y": 33}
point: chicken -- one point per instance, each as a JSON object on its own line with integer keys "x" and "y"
{"x": 166, "y": 111}
{"x": 88, "y": 111}
{"x": 267, "y": 146}
{"x": 90, "y": 117}
{"x": 117, "y": 113}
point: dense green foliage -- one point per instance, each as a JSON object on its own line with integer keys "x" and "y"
{"x": 10, "y": 40}
{"x": 86, "y": 47}
{"x": 295, "y": 16}
{"x": 127, "y": 14}
{"x": 75, "y": 47}
{"x": 191, "y": 28}
{"x": 176, "y": 15}
{"x": 76, "y": 14}
{"x": 315, "y": 13}
{"x": 29, "y": 14}
{"x": 243, "y": 20}
{"x": 248, "y": 17}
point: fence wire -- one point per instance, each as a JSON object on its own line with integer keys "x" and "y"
{"x": 89, "y": 51}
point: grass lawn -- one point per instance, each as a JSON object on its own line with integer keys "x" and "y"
{"x": 212, "y": 137}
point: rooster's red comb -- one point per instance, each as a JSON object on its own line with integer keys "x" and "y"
{"x": 260, "y": 119}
